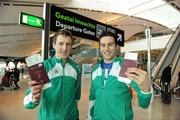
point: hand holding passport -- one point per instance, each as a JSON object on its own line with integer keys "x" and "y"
{"x": 130, "y": 60}
{"x": 37, "y": 71}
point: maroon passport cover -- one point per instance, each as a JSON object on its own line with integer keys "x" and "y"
{"x": 127, "y": 64}
{"x": 37, "y": 72}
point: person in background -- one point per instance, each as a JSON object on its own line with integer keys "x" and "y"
{"x": 22, "y": 72}
{"x": 59, "y": 102}
{"x": 166, "y": 75}
{"x": 16, "y": 75}
{"x": 110, "y": 97}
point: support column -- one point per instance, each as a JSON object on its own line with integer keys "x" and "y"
{"x": 148, "y": 38}
{"x": 45, "y": 32}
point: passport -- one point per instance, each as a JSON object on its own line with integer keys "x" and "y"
{"x": 127, "y": 64}
{"x": 37, "y": 70}
{"x": 130, "y": 60}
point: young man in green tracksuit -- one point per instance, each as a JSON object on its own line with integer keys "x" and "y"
{"x": 110, "y": 97}
{"x": 59, "y": 102}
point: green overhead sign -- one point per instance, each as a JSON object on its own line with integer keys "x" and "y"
{"x": 31, "y": 20}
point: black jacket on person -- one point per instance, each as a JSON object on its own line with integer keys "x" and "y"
{"x": 166, "y": 75}
{"x": 17, "y": 74}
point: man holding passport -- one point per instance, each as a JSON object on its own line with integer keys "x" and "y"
{"x": 59, "y": 101}
{"x": 110, "y": 95}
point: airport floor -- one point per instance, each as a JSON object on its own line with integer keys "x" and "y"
{"x": 11, "y": 106}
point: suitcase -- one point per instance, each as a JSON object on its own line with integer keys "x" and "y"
{"x": 165, "y": 94}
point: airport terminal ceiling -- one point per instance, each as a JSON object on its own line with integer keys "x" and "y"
{"x": 131, "y": 16}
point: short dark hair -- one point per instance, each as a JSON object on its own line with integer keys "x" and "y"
{"x": 64, "y": 33}
{"x": 107, "y": 33}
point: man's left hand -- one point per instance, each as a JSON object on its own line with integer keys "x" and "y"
{"x": 140, "y": 77}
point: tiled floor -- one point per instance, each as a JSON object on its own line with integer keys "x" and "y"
{"x": 11, "y": 106}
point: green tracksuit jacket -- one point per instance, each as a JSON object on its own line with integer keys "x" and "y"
{"x": 112, "y": 101}
{"x": 58, "y": 102}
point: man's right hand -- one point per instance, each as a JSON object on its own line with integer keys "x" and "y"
{"x": 36, "y": 89}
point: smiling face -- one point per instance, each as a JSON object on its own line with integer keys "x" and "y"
{"x": 108, "y": 48}
{"x": 62, "y": 46}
